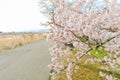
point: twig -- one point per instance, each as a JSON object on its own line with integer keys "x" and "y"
{"x": 76, "y": 59}
{"x": 53, "y": 20}
{"x": 107, "y": 40}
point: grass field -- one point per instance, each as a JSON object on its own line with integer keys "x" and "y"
{"x": 10, "y": 41}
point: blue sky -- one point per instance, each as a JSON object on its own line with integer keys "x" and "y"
{"x": 20, "y": 15}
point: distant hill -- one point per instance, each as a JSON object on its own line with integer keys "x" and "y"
{"x": 38, "y": 31}
{"x": 1, "y": 32}
{"x": 26, "y": 31}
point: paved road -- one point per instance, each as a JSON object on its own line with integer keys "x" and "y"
{"x": 28, "y": 62}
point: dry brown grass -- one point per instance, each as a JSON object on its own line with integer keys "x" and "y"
{"x": 10, "y": 41}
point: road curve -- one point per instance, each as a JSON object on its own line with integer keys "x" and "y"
{"x": 28, "y": 62}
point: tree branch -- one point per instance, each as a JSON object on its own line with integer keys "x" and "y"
{"x": 76, "y": 59}
{"x": 107, "y": 40}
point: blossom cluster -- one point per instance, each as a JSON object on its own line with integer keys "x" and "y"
{"x": 75, "y": 25}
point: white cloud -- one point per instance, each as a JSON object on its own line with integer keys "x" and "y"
{"x": 18, "y": 15}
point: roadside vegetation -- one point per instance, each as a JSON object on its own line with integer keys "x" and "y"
{"x": 10, "y": 41}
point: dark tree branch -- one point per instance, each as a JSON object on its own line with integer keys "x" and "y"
{"x": 107, "y": 41}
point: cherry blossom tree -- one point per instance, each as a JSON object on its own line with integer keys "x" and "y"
{"x": 77, "y": 27}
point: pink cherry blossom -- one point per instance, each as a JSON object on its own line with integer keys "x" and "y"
{"x": 77, "y": 27}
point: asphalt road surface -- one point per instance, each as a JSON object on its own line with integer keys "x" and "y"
{"x": 29, "y": 62}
